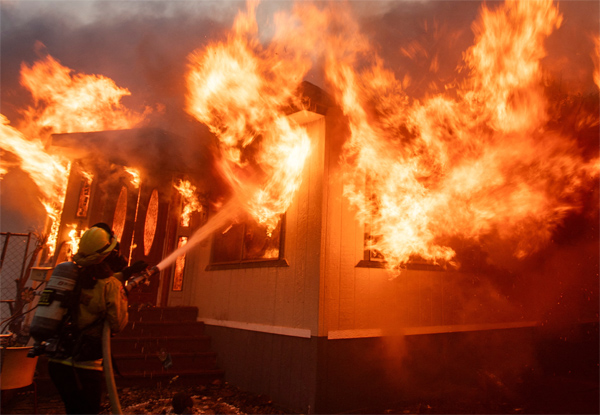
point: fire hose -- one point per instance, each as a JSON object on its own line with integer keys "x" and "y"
{"x": 109, "y": 375}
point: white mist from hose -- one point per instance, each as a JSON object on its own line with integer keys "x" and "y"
{"x": 229, "y": 211}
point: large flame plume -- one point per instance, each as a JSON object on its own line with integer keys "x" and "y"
{"x": 240, "y": 90}
{"x": 478, "y": 160}
{"x": 49, "y": 172}
{"x": 64, "y": 102}
{"x": 69, "y": 102}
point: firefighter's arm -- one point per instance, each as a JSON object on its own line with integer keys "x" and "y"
{"x": 116, "y": 305}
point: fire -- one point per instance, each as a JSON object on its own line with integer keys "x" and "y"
{"x": 480, "y": 159}
{"x": 135, "y": 176}
{"x": 179, "y": 266}
{"x": 482, "y": 163}
{"x": 239, "y": 90}
{"x": 596, "y": 59}
{"x": 67, "y": 102}
{"x": 64, "y": 102}
{"x": 88, "y": 176}
{"x": 74, "y": 238}
{"x": 49, "y": 172}
{"x": 190, "y": 201}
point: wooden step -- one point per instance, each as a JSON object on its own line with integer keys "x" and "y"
{"x": 165, "y": 378}
{"x": 162, "y": 329}
{"x": 137, "y": 363}
{"x": 162, "y": 313}
{"x": 153, "y": 332}
{"x": 150, "y": 345}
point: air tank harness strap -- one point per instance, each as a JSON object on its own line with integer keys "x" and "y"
{"x": 49, "y": 295}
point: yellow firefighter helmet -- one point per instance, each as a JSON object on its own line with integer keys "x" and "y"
{"x": 94, "y": 246}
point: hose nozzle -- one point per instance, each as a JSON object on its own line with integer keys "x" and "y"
{"x": 151, "y": 271}
{"x": 142, "y": 277}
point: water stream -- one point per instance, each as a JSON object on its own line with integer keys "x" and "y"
{"x": 227, "y": 212}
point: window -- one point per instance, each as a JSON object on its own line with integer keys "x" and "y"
{"x": 120, "y": 214}
{"x": 179, "y": 266}
{"x": 151, "y": 221}
{"x": 83, "y": 204}
{"x": 247, "y": 244}
{"x": 372, "y": 257}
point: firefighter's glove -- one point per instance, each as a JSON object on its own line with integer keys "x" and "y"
{"x": 134, "y": 268}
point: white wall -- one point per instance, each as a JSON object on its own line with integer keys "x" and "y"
{"x": 281, "y": 299}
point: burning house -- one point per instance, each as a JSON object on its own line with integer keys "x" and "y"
{"x": 354, "y": 245}
{"x": 144, "y": 209}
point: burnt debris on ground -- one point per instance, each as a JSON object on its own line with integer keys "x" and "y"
{"x": 216, "y": 398}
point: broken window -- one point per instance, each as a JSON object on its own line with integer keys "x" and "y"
{"x": 247, "y": 243}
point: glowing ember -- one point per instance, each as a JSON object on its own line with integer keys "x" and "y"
{"x": 190, "y": 201}
{"x": 238, "y": 89}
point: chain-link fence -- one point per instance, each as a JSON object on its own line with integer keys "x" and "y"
{"x": 16, "y": 252}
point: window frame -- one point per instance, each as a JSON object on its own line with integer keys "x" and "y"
{"x": 280, "y": 261}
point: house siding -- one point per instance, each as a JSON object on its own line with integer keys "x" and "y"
{"x": 271, "y": 296}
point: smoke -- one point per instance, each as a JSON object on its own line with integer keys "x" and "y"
{"x": 141, "y": 46}
{"x": 21, "y": 210}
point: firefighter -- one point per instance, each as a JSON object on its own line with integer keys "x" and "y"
{"x": 76, "y": 369}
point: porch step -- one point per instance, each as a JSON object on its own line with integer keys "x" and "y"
{"x": 153, "y": 337}
{"x": 162, "y": 329}
{"x": 163, "y": 379}
{"x": 164, "y": 344}
{"x": 155, "y": 363}
{"x": 150, "y": 345}
{"x": 162, "y": 313}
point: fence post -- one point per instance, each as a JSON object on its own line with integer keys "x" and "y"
{"x": 4, "y": 248}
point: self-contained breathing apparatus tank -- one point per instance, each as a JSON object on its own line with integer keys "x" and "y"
{"x": 52, "y": 307}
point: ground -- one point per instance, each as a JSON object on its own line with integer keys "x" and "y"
{"x": 216, "y": 398}
{"x": 555, "y": 396}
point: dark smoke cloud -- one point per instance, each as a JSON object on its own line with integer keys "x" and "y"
{"x": 144, "y": 53}
{"x": 21, "y": 210}
{"x": 141, "y": 46}
{"x": 437, "y": 33}
{"x": 424, "y": 40}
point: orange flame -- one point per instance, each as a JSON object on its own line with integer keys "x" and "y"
{"x": 190, "y": 201}
{"x": 596, "y": 59}
{"x": 239, "y": 89}
{"x": 135, "y": 176}
{"x": 49, "y": 172}
{"x": 64, "y": 102}
{"x": 74, "y": 238}
{"x": 67, "y": 102}
{"x": 480, "y": 159}
{"x": 179, "y": 266}
{"x": 482, "y": 163}
{"x": 88, "y": 176}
